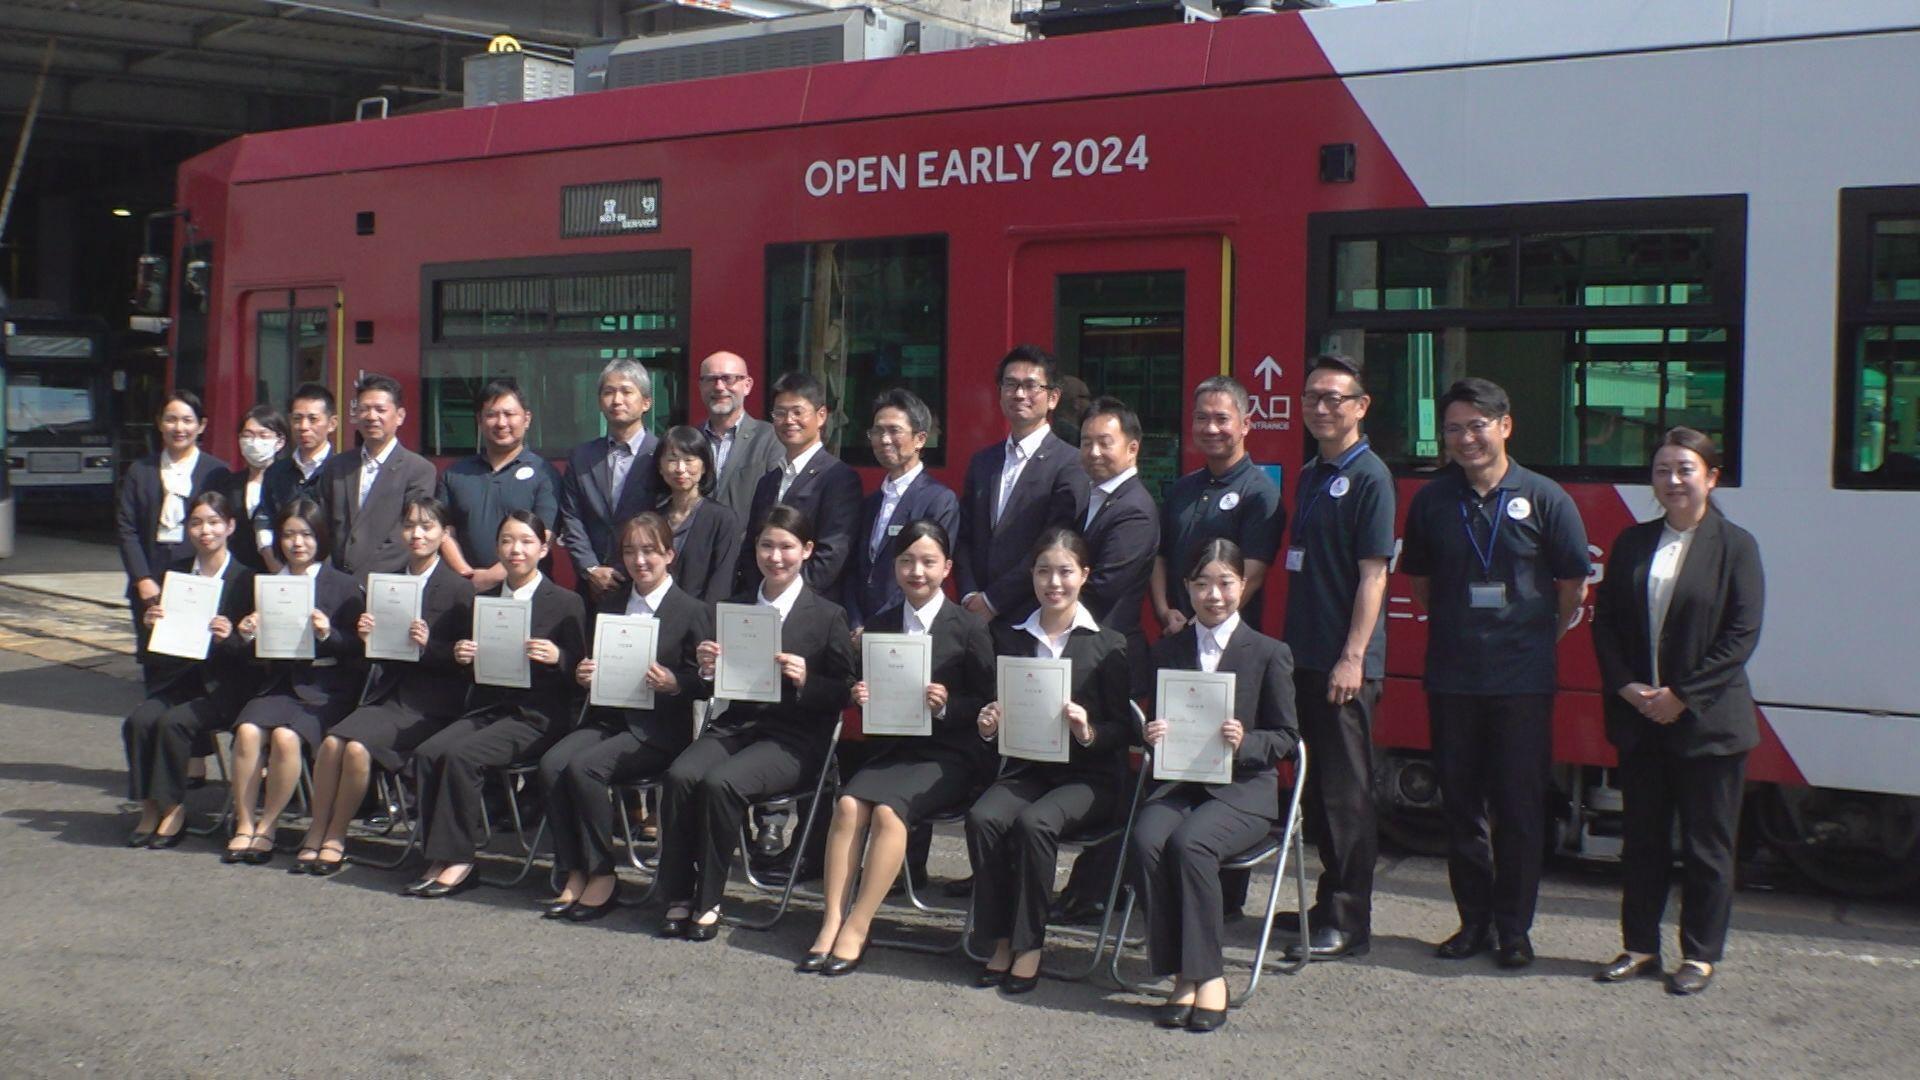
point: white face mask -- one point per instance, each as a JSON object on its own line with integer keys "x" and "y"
{"x": 259, "y": 452}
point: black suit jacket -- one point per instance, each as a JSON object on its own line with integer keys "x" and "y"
{"x": 366, "y": 539}
{"x": 282, "y": 483}
{"x": 1263, "y": 703}
{"x": 334, "y": 674}
{"x": 1712, "y": 626}
{"x": 233, "y": 484}
{"x": 994, "y": 558}
{"x": 589, "y": 528}
{"x": 685, "y": 622}
{"x": 817, "y": 630}
{"x": 1099, "y": 659}
{"x": 1124, "y": 537}
{"x": 708, "y": 554}
{"x": 963, "y": 663}
{"x": 871, "y": 587}
{"x": 225, "y": 675}
{"x": 137, "y": 517}
{"x": 560, "y": 617}
{"x": 828, "y": 492}
{"x": 433, "y": 685}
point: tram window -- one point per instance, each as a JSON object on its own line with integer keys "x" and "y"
{"x": 1878, "y": 445}
{"x": 1124, "y": 334}
{"x": 561, "y": 386}
{"x": 1606, "y": 322}
{"x": 290, "y": 348}
{"x": 865, "y": 316}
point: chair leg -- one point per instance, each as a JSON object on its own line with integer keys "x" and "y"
{"x": 1120, "y": 948}
{"x": 799, "y": 852}
{"x": 224, "y": 821}
{"x": 530, "y": 848}
{"x": 394, "y": 790}
{"x": 913, "y": 898}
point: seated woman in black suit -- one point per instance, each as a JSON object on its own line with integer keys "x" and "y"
{"x": 619, "y": 746}
{"x": 1185, "y": 829}
{"x": 403, "y": 703}
{"x": 264, "y": 438}
{"x": 502, "y": 725}
{"x": 1014, "y": 830}
{"x": 706, "y": 535}
{"x": 751, "y": 750}
{"x": 908, "y": 778}
{"x": 1674, "y": 624}
{"x": 297, "y": 700}
{"x": 188, "y": 699}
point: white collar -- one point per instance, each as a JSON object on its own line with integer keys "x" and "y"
{"x": 1113, "y": 485}
{"x": 1219, "y": 635}
{"x": 899, "y": 487}
{"x": 633, "y": 445}
{"x": 380, "y": 458}
{"x": 797, "y": 465}
{"x": 785, "y": 601}
{"x": 653, "y": 600}
{"x": 319, "y": 459}
{"x": 312, "y": 570}
{"x": 184, "y": 465}
{"x": 525, "y": 592}
{"x": 1082, "y": 620}
{"x": 431, "y": 567}
{"x": 923, "y": 615}
{"x": 1030, "y": 445}
{"x": 200, "y": 567}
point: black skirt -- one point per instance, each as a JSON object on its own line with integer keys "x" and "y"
{"x": 918, "y": 781}
{"x": 389, "y": 732}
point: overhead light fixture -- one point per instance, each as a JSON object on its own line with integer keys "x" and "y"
{"x": 121, "y": 211}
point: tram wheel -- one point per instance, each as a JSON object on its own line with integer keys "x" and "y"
{"x": 1850, "y": 842}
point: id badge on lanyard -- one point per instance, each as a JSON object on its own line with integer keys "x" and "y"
{"x": 1485, "y": 594}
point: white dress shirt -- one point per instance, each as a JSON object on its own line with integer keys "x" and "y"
{"x": 201, "y": 568}
{"x": 920, "y": 620}
{"x": 308, "y": 468}
{"x": 525, "y": 592}
{"x": 1055, "y": 645}
{"x": 370, "y": 465}
{"x": 1213, "y": 640}
{"x": 784, "y": 602}
{"x": 1101, "y": 493}
{"x": 1018, "y": 453}
{"x": 891, "y": 492}
{"x": 432, "y": 565}
{"x": 1668, "y": 557}
{"x": 648, "y": 605}
{"x": 176, "y": 487}
{"x": 791, "y": 470}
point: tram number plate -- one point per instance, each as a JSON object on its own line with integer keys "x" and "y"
{"x": 58, "y": 461}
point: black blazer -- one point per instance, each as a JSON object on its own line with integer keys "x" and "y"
{"x": 233, "y": 484}
{"x": 560, "y": 617}
{"x": 706, "y": 556}
{"x": 993, "y": 559}
{"x": 282, "y": 483}
{"x": 225, "y": 675}
{"x": 816, "y": 630}
{"x": 870, "y": 586}
{"x": 366, "y": 539}
{"x": 685, "y": 622}
{"x": 1262, "y": 702}
{"x": 828, "y": 492}
{"x": 137, "y": 517}
{"x": 434, "y": 685}
{"x": 1124, "y": 537}
{"x": 334, "y": 676}
{"x": 1099, "y": 659}
{"x": 963, "y": 663}
{"x": 589, "y": 529}
{"x": 1712, "y": 626}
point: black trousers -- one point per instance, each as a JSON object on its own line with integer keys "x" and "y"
{"x": 161, "y": 736}
{"x": 577, "y": 777}
{"x": 1013, "y": 837}
{"x": 451, "y": 767}
{"x": 1339, "y": 800}
{"x": 1494, "y": 753}
{"x": 704, "y": 803}
{"x": 1178, "y": 841}
{"x": 1704, "y": 794}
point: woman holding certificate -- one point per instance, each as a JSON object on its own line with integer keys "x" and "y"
{"x": 781, "y": 670}
{"x": 198, "y": 678}
{"x": 151, "y": 509}
{"x": 299, "y": 629}
{"x": 527, "y": 636}
{"x": 927, "y": 667}
{"x": 1224, "y": 718}
{"x": 706, "y": 535}
{"x": 413, "y": 690}
{"x": 641, "y": 680}
{"x": 1061, "y": 713}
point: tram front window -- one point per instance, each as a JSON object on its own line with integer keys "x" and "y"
{"x": 1124, "y": 335}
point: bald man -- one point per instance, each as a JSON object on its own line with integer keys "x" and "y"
{"x": 744, "y": 449}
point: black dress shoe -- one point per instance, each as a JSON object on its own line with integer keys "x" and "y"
{"x": 1019, "y": 984}
{"x": 1689, "y": 978}
{"x": 415, "y": 888}
{"x": 1327, "y": 943}
{"x": 1517, "y": 953}
{"x": 141, "y": 839}
{"x": 1205, "y": 1020}
{"x": 697, "y": 931}
{"x": 1625, "y": 967}
{"x": 1467, "y": 941}
{"x": 772, "y": 839}
{"x": 437, "y": 891}
{"x": 1073, "y": 910}
{"x": 959, "y": 887}
{"x": 558, "y": 909}
{"x": 811, "y": 963}
{"x": 672, "y": 928}
{"x": 161, "y": 843}
{"x": 989, "y": 977}
{"x": 257, "y": 858}
{"x": 1168, "y": 1015}
{"x": 581, "y": 913}
{"x": 839, "y": 965}
{"x": 322, "y": 868}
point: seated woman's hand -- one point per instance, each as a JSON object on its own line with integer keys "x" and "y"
{"x": 662, "y": 680}
{"x": 1234, "y": 732}
{"x": 936, "y": 698}
{"x": 542, "y": 651}
{"x": 860, "y": 693}
{"x": 584, "y": 673}
{"x": 708, "y": 654}
{"x": 1079, "y": 723}
{"x": 220, "y": 627}
{"x": 417, "y": 632}
{"x": 153, "y": 614}
{"x": 364, "y": 625}
{"x": 322, "y": 627}
{"x": 250, "y": 625}
{"x": 989, "y": 722}
{"x": 1155, "y": 731}
{"x": 464, "y": 651}
{"x": 794, "y": 667}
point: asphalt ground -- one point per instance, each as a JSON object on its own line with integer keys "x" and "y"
{"x": 135, "y": 963}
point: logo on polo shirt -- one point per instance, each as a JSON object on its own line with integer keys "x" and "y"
{"x": 1339, "y": 486}
{"x": 1519, "y": 508}
{"x": 1230, "y": 500}
{"x": 524, "y": 472}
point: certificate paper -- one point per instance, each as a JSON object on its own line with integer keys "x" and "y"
{"x": 1033, "y": 703}
{"x": 190, "y": 603}
{"x": 500, "y": 631}
{"x": 1195, "y": 704}
{"x": 284, "y": 603}
{"x": 749, "y": 639}
{"x": 394, "y": 602}
{"x": 897, "y": 669}
{"x": 623, "y": 649}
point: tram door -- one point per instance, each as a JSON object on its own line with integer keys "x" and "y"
{"x": 1142, "y": 320}
{"x": 293, "y": 336}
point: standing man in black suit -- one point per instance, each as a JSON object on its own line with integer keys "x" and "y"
{"x": 810, "y": 480}
{"x": 311, "y": 416}
{"x": 901, "y": 425}
{"x": 1017, "y": 489}
{"x": 744, "y": 449}
{"x": 365, "y": 495}
{"x": 609, "y": 480}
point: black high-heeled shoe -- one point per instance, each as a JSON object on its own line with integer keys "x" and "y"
{"x": 1205, "y": 1020}
{"x": 837, "y": 965}
{"x": 139, "y": 838}
{"x": 1168, "y": 1015}
{"x": 414, "y": 889}
{"x": 811, "y": 963}
{"x": 557, "y": 909}
{"x": 1019, "y": 984}
{"x": 699, "y": 931}
{"x": 581, "y": 912}
{"x": 437, "y": 891}
{"x": 989, "y": 977}
{"x": 161, "y": 843}
{"x": 253, "y": 856}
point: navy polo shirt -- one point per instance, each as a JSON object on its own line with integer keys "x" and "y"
{"x": 1536, "y": 537}
{"x": 1242, "y": 505}
{"x": 480, "y": 496}
{"x": 1344, "y": 514}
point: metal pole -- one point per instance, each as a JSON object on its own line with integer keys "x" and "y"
{"x": 26, "y": 136}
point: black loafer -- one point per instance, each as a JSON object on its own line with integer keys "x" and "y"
{"x": 1466, "y": 942}
{"x": 703, "y": 931}
{"x": 581, "y": 913}
{"x": 1517, "y": 953}
{"x": 162, "y": 843}
{"x": 1205, "y": 1020}
{"x": 811, "y": 963}
{"x": 1625, "y": 967}
{"x": 141, "y": 839}
{"x": 1019, "y": 984}
{"x": 838, "y": 965}
{"x": 989, "y": 977}
{"x": 1327, "y": 943}
{"x": 322, "y": 868}
{"x": 1689, "y": 978}
{"x": 672, "y": 928}
{"x": 437, "y": 891}
{"x": 415, "y": 888}
{"x": 1168, "y": 1015}
{"x": 558, "y": 909}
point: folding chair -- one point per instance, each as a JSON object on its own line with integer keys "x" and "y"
{"x": 828, "y": 765}
{"x": 952, "y": 816}
{"x": 512, "y": 779}
{"x": 1286, "y": 839}
{"x": 391, "y": 788}
{"x": 302, "y": 791}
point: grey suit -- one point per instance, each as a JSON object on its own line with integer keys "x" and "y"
{"x": 366, "y": 537}
{"x": 755, "y": 451}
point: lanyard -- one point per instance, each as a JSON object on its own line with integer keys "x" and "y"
{"x": 1340, "y": 466}
{"x": 1493, "y": 536}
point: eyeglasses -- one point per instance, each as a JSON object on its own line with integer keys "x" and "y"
{"x": 898, "y": 434}
{"x": 790, "y": 412}
{"x": 1314, "y": 399}
{"x": 1024, "y": 386}
{"x": 1477, "y": 427}
{"x": 723, "y": 380}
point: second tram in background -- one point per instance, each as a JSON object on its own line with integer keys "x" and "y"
{"x": 61, "y": 429}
